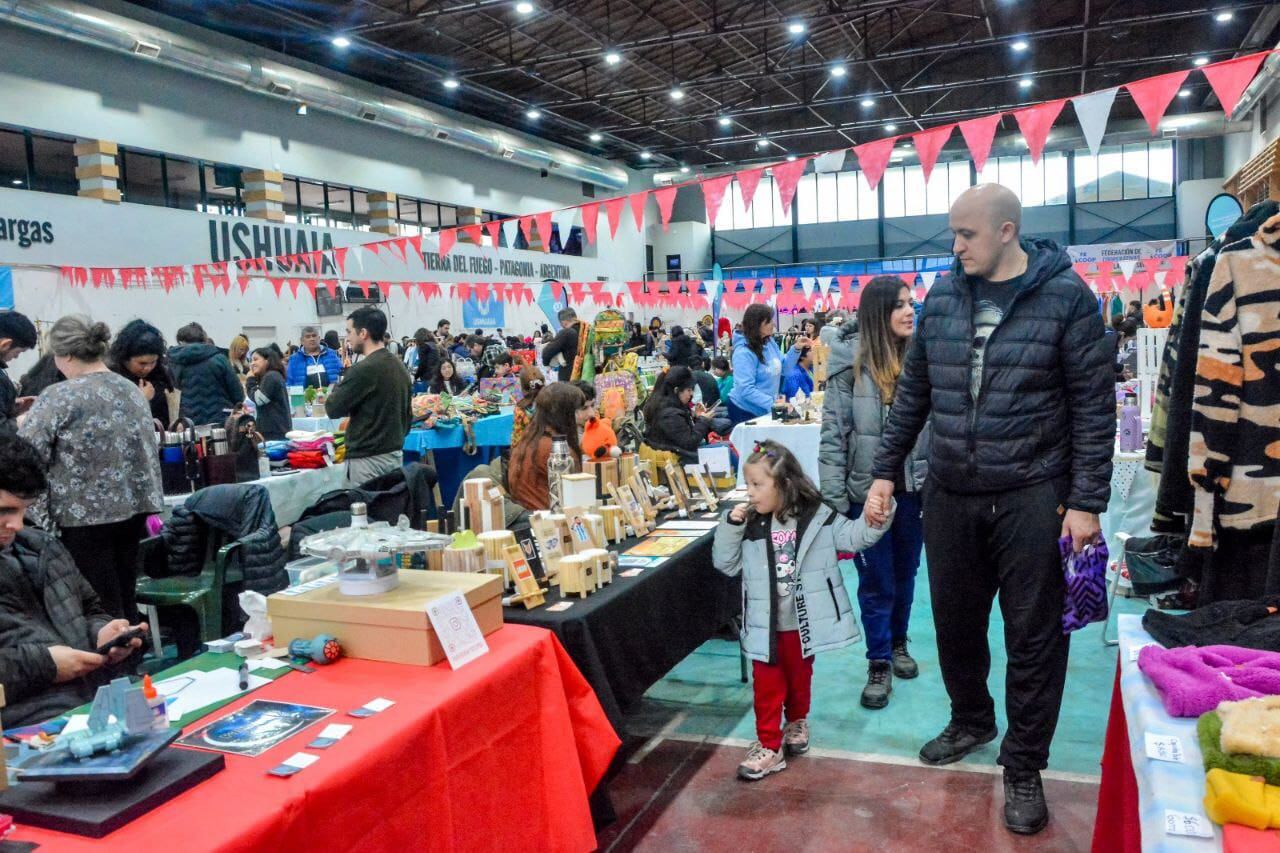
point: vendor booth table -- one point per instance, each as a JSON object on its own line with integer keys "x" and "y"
{"x": 800, "y": 439}
{"x": 290, "y": 493}
{"x": 630, "y": 634}
{"x": 500, "y": 755}
{"x": 1138, "y": 793}
{"x": 445, "y": 444}
{"x": 317, "y": 424}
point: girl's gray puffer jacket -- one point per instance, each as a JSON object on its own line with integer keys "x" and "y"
{"x": 823, "y": 610}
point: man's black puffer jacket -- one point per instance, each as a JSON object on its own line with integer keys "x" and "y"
{"x": 1047, "y": 404}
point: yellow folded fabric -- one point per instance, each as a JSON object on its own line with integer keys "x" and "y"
{"x": 1246, "y": 800}
{"x": 1251, "y": 726}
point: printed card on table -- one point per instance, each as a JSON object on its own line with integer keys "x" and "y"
{"x": 456, "y": 627}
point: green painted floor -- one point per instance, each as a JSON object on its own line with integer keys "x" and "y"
{"x": 704, "y": 696}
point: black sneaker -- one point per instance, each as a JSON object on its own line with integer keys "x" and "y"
{"x": 1025, "y": 811}
{"x": 879, "y": 685}
{"x": 904, "y": 665}
{"x": 954, "y": 744}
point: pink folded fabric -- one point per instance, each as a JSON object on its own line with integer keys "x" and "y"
{"x": 1193, "y": 681}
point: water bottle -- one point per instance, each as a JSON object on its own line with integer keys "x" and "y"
{"x": 558, "y": 464}
{"x": 1130, "y": 425}
{"x": 264, "y": 464}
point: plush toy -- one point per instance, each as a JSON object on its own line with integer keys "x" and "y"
{"x": 599, "y": 440}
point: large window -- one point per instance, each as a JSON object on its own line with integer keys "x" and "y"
{"x": 1139, "y": 170}
{"x": 141, "y": 177}
{"x": 1036, "y": 184}
{"x": 54, "y": 162}
{"x": 765, "y": 212}
{"x": 834, "y": 197}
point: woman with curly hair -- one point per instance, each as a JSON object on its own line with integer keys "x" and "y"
{"x": 138, "y": 354}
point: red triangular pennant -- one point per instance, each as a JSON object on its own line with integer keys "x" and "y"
{"x": 1035, "y": 123}
{"x": 385, "y": 287}
{"x": 364, "y": 288}
{"x": 666, "y": 199}
{"x": 244, "y": 284}
{"x": 482, "y": 292}
{"x": 407, "y": 287}
{"x": 340, "y": 259}
{"x": 786, "y": 176}
{"x": 929, "y": 143}
{"x": 276, "y": 284}
{"x": 908, "y": 278}
{"x": 978, "y": 134}
{"x": 416, "y": 242}
{"x": 526, "y": 228}
{"x": 374, "y": 247}
{"x": 543, "y": 221}
{"x": 613, "y": 212}
{"x": 845, "y": 282}
{"x": 332, "y": 287}
{"x": 713, "y": 194}
{"x": 448, "y": 236}
{"x": 1154, "y": 94}
{"x": 748, "y": 180}
{"x": 590, "y": 213}
{"x": 494, "y": 227}
{"x": 873, "y": 157}
{"x": 1229, "y": 79}
{"x": 473, "y": 233}
{"x": 637, "y": 202}
{"x": 462, "y": 290}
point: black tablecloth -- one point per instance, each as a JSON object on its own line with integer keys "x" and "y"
{"x": 630, "y": 634}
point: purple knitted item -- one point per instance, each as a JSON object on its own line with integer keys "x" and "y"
{"x": 1193, "y": 681}
{"x": 1086, "y": 584}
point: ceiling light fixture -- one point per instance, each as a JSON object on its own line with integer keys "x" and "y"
{"x": 762, "y": 143}
{"x": 791, "y": 158}
{"x": 838, "y": 71}
{"x": 595, "y": 137}
{"x": 796, "y": 28}
{"x": 868, "y": 103}
{"x": 1224, "y": 16}
{"x": 891, "y": 127}
{"x": 533, "y": 115}
{"x": 725, "y": 121}
{"x": 684, "y": 170}
{"x": 1024, "y": 83}
{"x": 451, "y": 83}
{"x": 1020, "y": 45}
{"x": 524, "y": 8}
{"x": 677, "y": 94}
{"x": 612, "y": 57}
{"x": 645, "y": 155}
{"x": 1184, "y": 93}
{"x": 1200, "y": 60}
{"x": 340, "y": 41}
{"x": 17, "y": 182}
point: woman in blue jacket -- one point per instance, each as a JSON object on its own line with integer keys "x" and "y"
{"x": 758, "y": 365}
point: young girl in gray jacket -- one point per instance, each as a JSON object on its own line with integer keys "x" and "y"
{"x": 794, "y": 603}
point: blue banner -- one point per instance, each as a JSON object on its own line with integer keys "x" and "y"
{"x": 482, "y": 315}
{"x": 6, "y": 289}
{"x": 550, "y": 305}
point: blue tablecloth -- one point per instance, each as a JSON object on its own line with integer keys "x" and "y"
{"x": 445, "y": 444}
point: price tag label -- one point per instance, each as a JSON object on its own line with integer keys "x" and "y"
{"x": 1181, "y": 823}
{"x": 1165, "y": 748}
{"x": 1133, "y": 652}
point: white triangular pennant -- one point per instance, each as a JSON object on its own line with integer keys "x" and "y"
{"x": 927, "y": 276}
{"x": 1092, "y": 111}
{"x": 1127, "y": 267}
{"x": 510, "y": 228}
{"x": 824, "y": 283}
{"x": 832, "y": 161}
{"x": 808, "y": 286}
{"x": 564, "y": 221}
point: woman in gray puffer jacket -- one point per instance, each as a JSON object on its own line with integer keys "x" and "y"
{"x": 864, "y": 369}
{"x": 794, "y": 603}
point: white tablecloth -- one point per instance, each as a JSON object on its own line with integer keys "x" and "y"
{"x": 290, "y": 494}
{"x": 1162, "y": 785}
{"x": 800, "y": 439}
{"x": 316, "y": 424}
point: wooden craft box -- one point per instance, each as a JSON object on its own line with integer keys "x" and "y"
{"x": 390, "y": 627}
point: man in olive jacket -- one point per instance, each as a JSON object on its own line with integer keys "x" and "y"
{"x": 1010, "y": 359}
{"x": 50, "y": 618}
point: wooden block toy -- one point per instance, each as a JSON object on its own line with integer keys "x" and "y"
{"x": 528, "y": 592}
{"x": 546, "y": 533}
{"x": 626, "y": 467}
{"x": 603, "y": 565}
{"x": 615, "y": 526}
{"x": 632, "y": 512}
{"x": 606, "y": 473}
{"x": 577, "y": 575}
{"x": 495, "y": 543}
{"x": 579, "y": 490}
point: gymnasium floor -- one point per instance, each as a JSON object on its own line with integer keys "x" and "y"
{"x": 861, "y": 787}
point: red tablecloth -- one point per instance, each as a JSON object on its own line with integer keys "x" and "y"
{"x": 1117, "y": 827}
{"x": 500, "y": 755}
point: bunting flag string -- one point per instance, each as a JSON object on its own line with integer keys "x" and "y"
{"x": 1153, "y": 95}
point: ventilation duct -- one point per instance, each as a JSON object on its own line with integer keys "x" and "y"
{"x": 91, "y": 26}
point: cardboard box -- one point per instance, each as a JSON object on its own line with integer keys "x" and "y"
{"x": 390, "y": 627}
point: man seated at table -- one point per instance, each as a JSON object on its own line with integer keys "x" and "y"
{"x": 375, "y": 394}
{"x": 50, "y": 618}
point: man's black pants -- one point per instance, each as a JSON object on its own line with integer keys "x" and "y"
{"x": 978, "y": 546}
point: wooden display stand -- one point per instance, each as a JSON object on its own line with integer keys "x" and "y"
{"x": 679, "y": 488}
{"x": 614, "y": 521}
{"x": 547, "y": 534}
{"x": 528, "y": 592}
{"x": 820, "y": 353}
{"x": 631, "y": 509}
{"x": 704, "y": 488}
{"x": 626, "y": 467}
{"x": 606, "y": 473}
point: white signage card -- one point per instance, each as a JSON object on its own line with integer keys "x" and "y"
{"x": 716, "y": 459}
{"x": 1165, "y": 748}
{"x": 1181, "y": 823}
{"x": 456, "y": 627}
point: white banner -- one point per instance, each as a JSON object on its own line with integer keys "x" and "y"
{"x": 1116, "y": 252}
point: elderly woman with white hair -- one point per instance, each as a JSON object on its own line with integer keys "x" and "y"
{"x": 95, "y": 433}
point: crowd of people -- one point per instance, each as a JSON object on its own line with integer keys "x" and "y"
{"x": 944, "y": 429}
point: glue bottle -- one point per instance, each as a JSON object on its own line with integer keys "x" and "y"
{"x": 155, "y": 702}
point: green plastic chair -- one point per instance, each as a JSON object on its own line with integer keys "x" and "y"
{"x": 202, "y": 593}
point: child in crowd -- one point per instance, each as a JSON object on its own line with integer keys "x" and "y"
{"x": 724, "y": 377}
{"x": 790, "y": 611}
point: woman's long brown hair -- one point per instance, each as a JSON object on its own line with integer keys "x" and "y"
{"x": 555, "y": 414}
{"x": 880, "y": 352}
